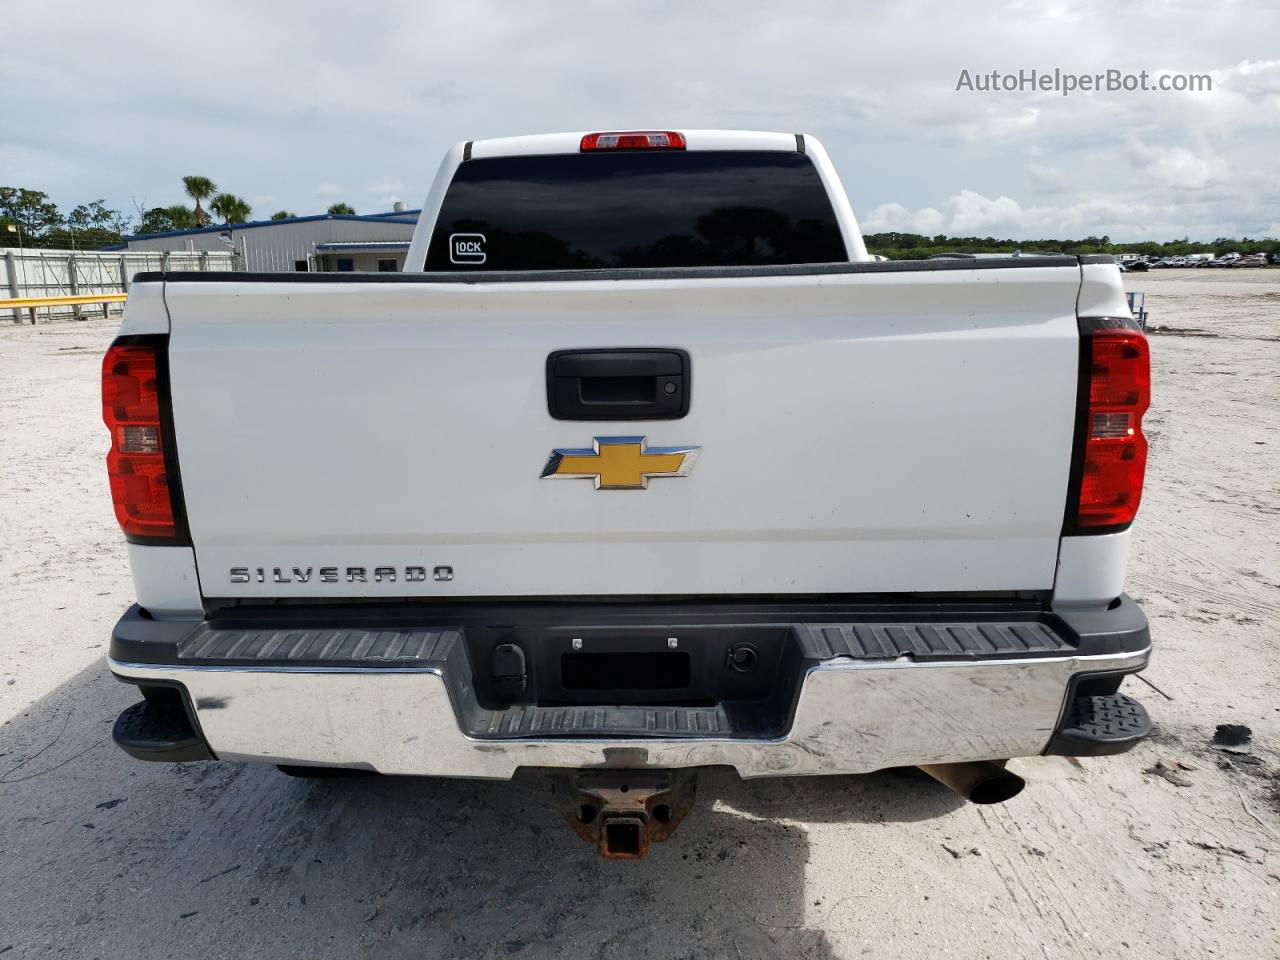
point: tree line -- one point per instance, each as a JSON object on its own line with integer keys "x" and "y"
{"x": 913, "y": 246}
{"x": 36, "y": 221}
{"x": 29, "y": 218}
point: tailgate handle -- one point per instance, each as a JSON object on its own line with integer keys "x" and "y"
{"x": 623, "y": 384}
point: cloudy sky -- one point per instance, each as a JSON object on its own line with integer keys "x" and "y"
{"x": 296, "y": 105}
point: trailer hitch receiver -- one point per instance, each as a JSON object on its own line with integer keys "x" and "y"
{"x": 622, "y": 812}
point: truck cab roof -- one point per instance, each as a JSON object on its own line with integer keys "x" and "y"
{"x": 552, "y": 143}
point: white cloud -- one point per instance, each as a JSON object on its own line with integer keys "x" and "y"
{"x": 1049, "y": 179}
{"x": 1122, "y": 217}
{"x": 384, "y": 192}
{"x": 895, "y": 218}
{"x": 978, "y": 120}
{"x": 327, "y": 190}
{"x": 1247, "y": 92}
{"x": 1178, "y": 167}
{"x": 972, "y": 213}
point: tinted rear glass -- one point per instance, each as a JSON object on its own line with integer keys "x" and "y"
{"x": 671, "y": 209}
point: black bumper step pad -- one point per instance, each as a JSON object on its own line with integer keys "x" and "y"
{"x": 819, "y": 641}
{"x": 526, "y": 720}
{"x": 1100, "y": 726}
{"x": 933, "y": 641}
{"x": 159, "y": 731}
{"x": 410, "y": 648}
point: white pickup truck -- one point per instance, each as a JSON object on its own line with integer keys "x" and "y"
{"x": 643, "y": 464}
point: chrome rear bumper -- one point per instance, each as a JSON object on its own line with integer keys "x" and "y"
{"x": 851, "y": 716}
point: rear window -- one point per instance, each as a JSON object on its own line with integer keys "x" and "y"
{"x": 668, "y": 209}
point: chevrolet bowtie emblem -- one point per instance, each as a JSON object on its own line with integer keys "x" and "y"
{"x": 621, "y": 463}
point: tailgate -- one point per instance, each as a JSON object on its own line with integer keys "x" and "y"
{"x": 860, "y": 432}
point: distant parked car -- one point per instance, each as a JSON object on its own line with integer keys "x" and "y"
{"x": 1138, "y": 266}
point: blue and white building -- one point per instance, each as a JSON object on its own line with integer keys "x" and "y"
{"x": 325, "y": 242}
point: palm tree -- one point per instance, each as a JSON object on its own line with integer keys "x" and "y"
{"x": 342, "y": 208}
{"x": 283, "y": 215}
{"x": 197, "y": 189}
{"x": 181, "y": 217}
{"x": 230, "y": 208}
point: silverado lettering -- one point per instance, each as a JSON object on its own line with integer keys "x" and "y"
{"x": 410, "y": 574}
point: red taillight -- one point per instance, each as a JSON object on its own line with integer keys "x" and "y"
{"x": 633, "y": 140}
{"x": 1114, "y": 457}
{"x": 135, "y": 464}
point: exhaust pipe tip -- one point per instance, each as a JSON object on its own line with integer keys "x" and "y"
{"x": 982, "y": 782}
{"x": 997, "y": 789}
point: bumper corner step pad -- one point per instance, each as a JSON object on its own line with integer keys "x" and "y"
{"x": 933, "y": 641}
{"x": 412, "y": 648}
{"x": 159, "y": 731}
{"x": 1099, "y": 726}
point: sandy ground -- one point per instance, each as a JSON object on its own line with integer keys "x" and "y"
{"x": 101, "y": 856}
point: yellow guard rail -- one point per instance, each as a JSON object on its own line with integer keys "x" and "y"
{"x": 26, "y": 302}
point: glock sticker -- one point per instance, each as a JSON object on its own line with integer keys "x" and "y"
{"x": 466, "y": 248}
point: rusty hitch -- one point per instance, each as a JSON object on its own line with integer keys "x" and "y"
{"x": 622, "y": 812}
